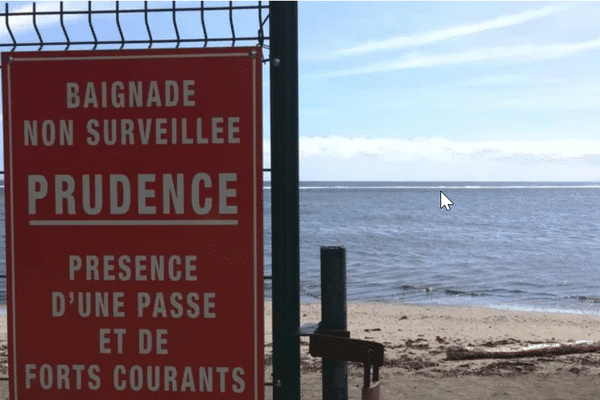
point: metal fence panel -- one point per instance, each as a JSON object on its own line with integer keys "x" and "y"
{"x": 118, "y": 25}
{"x": 110, "y": 26}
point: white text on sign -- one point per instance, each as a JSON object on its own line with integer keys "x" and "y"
{"x": 71, "y": 196}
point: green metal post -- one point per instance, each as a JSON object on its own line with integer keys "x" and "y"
{"x": 334, "y": 318}
{"x": 283, "y": 53}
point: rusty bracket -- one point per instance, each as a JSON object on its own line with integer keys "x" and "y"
{"x": 337, "y": 345}
{"x": 344, "y": 348}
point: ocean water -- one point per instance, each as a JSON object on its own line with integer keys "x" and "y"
{"x": 508, "y": 245}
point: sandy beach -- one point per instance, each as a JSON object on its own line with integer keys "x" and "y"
{"x": 416, "y": 339}
{"x": 416, "y": 366}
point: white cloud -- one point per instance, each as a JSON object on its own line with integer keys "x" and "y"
{"x": 438, "y": 148}
{"x": 521, "y": 54}
{"x": 438, "y": 158}
{"x": 19, "y": 24}
{"x": 438, "y": 35}
{"x": 497, "y": 80}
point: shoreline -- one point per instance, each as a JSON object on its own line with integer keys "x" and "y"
{"x": 575, "y": 307}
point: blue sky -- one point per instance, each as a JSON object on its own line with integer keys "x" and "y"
{"x": 450, "y": 91}
{"x": 436, "y": 91}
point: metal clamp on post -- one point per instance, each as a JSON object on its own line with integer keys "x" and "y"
{"x": 330, "y": 339}
{"x": 346, "y": 349}
{"x": 370, "y": 391}
{"x": 337, "y": 345}
{"x": 342, "y": 348}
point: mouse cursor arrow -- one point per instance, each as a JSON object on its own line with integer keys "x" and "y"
{"x": 445, "y": 201}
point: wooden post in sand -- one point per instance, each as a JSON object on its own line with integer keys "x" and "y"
{"x": 334, "y": 318}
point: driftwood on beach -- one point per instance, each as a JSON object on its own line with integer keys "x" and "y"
{"x": 536, "y": 350}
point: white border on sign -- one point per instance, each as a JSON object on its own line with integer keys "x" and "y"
{"x": 12, "y": 234}
{"x": 134, "y": 222}
{"x": 254, "y": 221}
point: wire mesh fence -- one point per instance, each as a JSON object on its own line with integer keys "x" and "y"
{"x": 52, "y": 26}
{"x": 127, "y": 25}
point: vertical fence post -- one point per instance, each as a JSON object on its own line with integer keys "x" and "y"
{"x": 334, "y": 317}
{"x": 283, "y": 53}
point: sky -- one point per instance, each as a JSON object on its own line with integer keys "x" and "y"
{"x": 450, "y": 91}
{"x": 424, "y": 91}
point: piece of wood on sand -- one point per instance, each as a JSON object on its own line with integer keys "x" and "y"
{"x": 536, "y": 350}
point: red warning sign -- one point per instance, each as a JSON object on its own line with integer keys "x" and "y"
{"x": 134, "y": 224}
